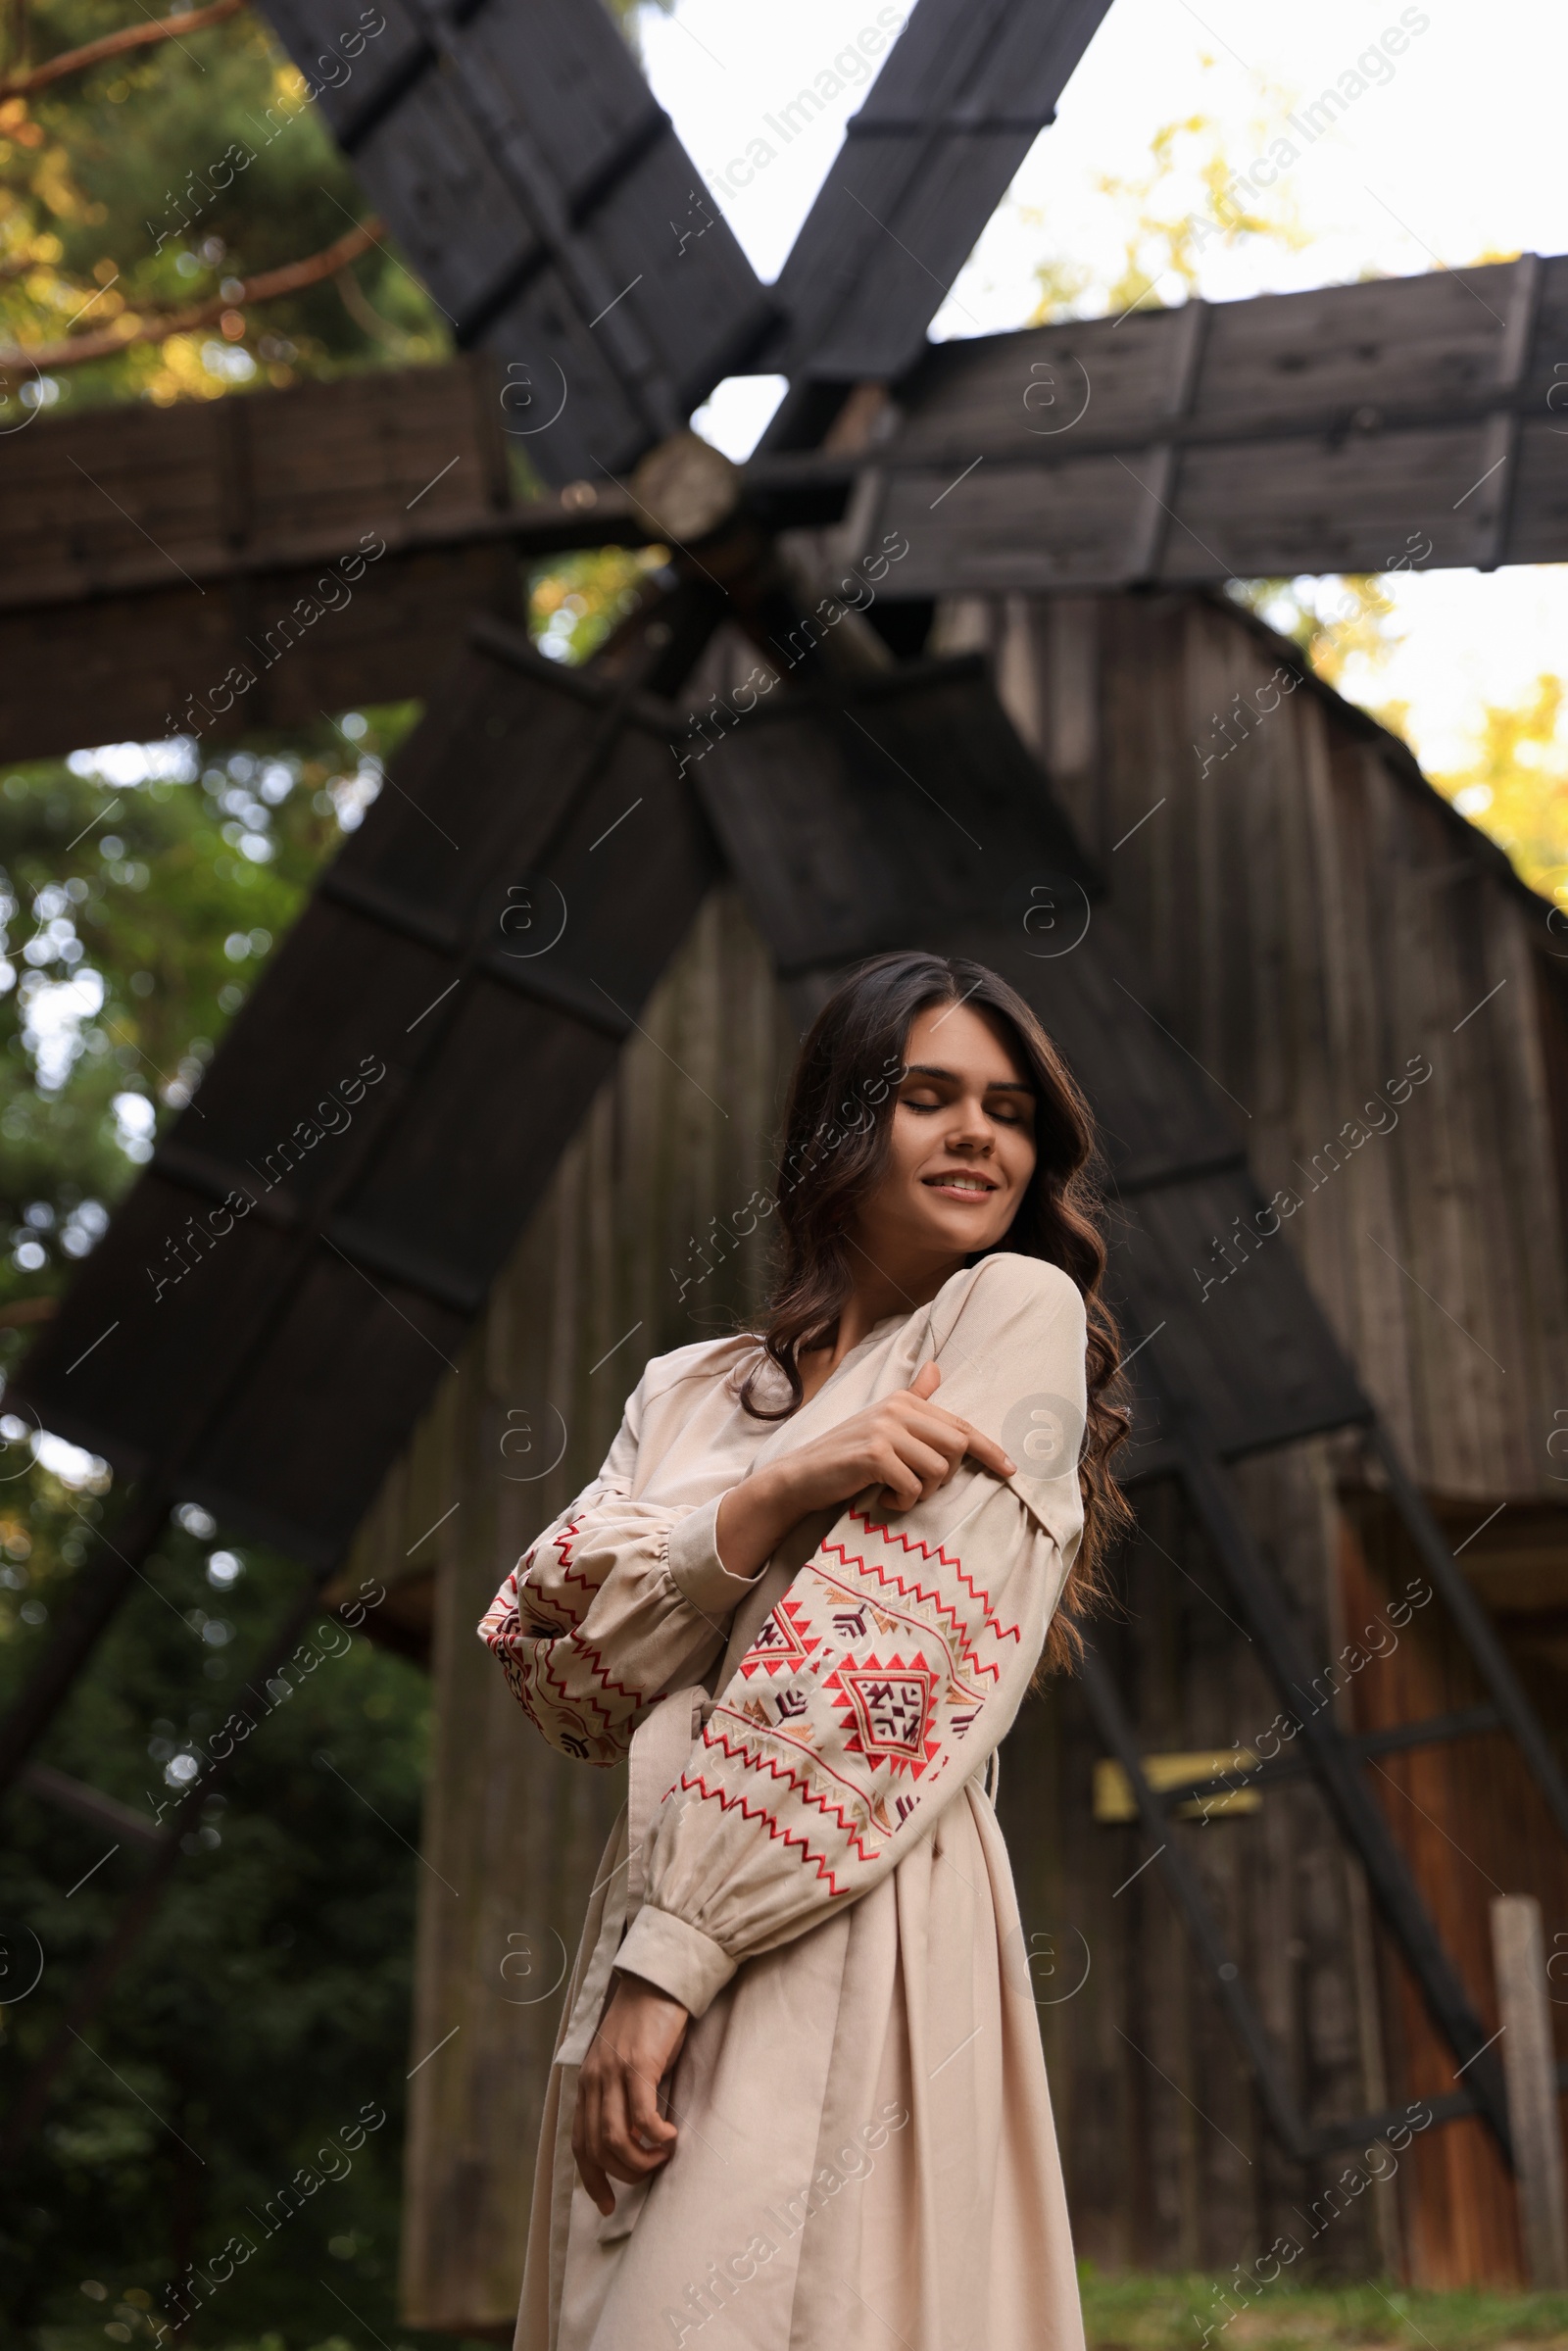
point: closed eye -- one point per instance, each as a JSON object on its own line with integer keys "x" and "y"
{"x": 1006, "y": 1109}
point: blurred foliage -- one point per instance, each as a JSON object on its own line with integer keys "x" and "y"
{"x": 1163, "y": 221}
{"x": 266, "y": 2010}
{"x": 142, "y": 892}
{"x": 575, "y": 602}
{"x": 111, "y": 213}
{"x": 1514, "y": 788}
{"x": 1136, "y": 2311}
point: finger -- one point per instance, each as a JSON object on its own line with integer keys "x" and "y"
{"x": 926, "y": 1380}
{"x": 947, "y": 1429}
{"x": 621, "y": 2150}
{"x": 645, "y": 2120}
{"x": 584, "y": 2136}
{"x": 931, "y": 1464}
{"x": 942, "y": 1430}
{"x": 612, "y": 2144}
{"x": 990, "y": 1455}
{"x": 901, "y": 1485}
{"x": 594, "y": 2181}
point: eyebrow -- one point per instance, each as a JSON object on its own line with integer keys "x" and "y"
{"x": 929, "y": 1069}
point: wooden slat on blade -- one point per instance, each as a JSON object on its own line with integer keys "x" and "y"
{"x": 148, "y": 663}
{"x": 472, "y": 1154}
{"x": 327, "y": 1405}
{"x": 126, "y": 1362}
{"x": 1370, "y": 501}
{"x": 337, "y": 1005}
{"x": 1066, "y": 524}
{"x": 358, "y": 59}
{"x": 1395, "y": 348}
{"x": 593, "y": 925}
{"x": 134, "y": 497}
{"x": 1386, "y": 343}
{"x": 1349, "y": 428}
{"x": 1366, "y": 502}
{"x": 925, "y": 164}
{"x": 1023, "y": 392}
{"x": 1539, "y": 510}
{"x": 479, "y": 780}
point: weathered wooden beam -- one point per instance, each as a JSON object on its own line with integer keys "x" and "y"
{"x": 1399, "y": 423}
{"x": 247, "y": 563}
{"x": 1530, "y": 2071}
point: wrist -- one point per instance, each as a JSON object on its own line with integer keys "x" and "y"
{"x": 772, "y": 1491}
{"x": 633, "y": 1987}
{"x": 752, "y": 1520}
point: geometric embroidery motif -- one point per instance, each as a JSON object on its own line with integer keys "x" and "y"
{"x": 889, "y": 1710}
{"x": 782, "y": 1644}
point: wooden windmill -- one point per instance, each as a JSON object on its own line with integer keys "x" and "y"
{"x": 492, "y": 952}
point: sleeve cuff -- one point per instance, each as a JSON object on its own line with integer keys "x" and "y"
{"x": 696, "y": 1569}
{"x": 680, "y": 1959}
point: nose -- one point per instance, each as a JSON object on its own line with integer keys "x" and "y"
{"x": 969, "y": 1128}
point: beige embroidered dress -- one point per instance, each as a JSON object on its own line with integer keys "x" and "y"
{"x": 809, "y": 1861}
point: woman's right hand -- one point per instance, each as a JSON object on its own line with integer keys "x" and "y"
{"x": 904, "y": 1443}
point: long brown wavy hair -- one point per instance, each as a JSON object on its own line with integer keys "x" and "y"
{"x": 835, "y": 1148}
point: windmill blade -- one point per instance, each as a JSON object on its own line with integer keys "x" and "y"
{"x": 386, "y": 1109}
{"x": 543, "y": 197}
{"x": 1402, "y": 422}
{"x": 925, "y": 164}
{"x": 906, "y": 809}
{"x": 249, "y": 562}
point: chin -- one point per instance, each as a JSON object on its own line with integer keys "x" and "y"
{"x": 966, "y": 1235}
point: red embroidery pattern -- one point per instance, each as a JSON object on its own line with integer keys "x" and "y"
{"x": 924, "y": 1596}
{"x": 784, "y": 1641}
{"x": 735, "y": 1800}
{"x": 889, "y": 1711}
{"x": 863, "y": 1682}
{"x": 557, "y": 1675}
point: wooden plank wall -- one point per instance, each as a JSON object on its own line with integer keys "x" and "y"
{"x": 1168, "y": 2160}
{"x": 1474, "y": 1826}
{"x": 1317, "y": 919}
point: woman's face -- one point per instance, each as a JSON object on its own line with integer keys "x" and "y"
{"x": 962, "y": 1148}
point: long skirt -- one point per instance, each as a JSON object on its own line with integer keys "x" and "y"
{"x": 865, "y": 2156}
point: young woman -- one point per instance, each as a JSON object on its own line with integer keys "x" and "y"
{"x": 798, "y": 2101}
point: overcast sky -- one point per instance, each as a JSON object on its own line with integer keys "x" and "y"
{"x": 1457, "y": 152}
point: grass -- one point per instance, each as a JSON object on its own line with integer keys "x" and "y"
{"x": 1138, "y": 2312}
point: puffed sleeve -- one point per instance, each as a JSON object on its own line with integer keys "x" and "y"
{"x": 618, "y": 1602}
{"x": 891, "y": 1668}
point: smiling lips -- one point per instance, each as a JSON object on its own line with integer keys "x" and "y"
{"x": 960, "y": 1184}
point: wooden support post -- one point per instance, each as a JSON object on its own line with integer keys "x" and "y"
{"x": 1530, "y": 2068}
